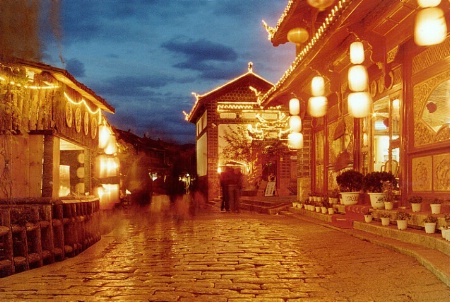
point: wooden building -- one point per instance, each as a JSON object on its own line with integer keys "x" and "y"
{"x": 49, "y": 142}
{"x": 407, "y": 130}
{"x": 233, "y": 130}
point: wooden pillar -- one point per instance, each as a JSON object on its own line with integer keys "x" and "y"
{"x": 50, "y": 174}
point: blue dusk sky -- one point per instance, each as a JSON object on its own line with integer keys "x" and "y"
{"x": 146, "y": 57}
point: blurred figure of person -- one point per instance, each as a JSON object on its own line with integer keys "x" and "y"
{"x": 138, "y": 182}
{"x": 234, "y": 190}
{"x": 225, "y": 179}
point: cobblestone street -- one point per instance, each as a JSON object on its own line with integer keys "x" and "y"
{"x": 161, "y": 256}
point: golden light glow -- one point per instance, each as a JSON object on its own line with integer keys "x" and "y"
{"x": 107, "y": 166}
{"x": 298, "y": 35}
{"x": 111, "y": 147}
{"x": 104, "y": 133}
{"x": 295, "y": 140}
{"x": 320, "y": 4}
{"x": 317, "y": 106}
{"x": 317, "y": 86}
{"x": 358, "y": 78}
{"x": 295, "y": 123}
{"x": 359, "y": 104}
{"x": 82, "y": 102}
{"x": 294, "y": 106}
{"x": 109, "y": 196}
{"x": 430, "y": 27}
{"x": 357, "y": 53}
{"x": 428, "y": 3}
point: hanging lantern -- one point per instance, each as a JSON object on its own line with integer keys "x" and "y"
{"x": 318, "y": 86}
{"x": 428, "y": 3}
{"x": 320, "y": 4}
{"x": 295, "y": 123}
{"x": 430, "y": 27}
{"x": 359, "y": 104}
{"x": 111, "y": 147}
{"x": 298, "y": 35}
{"x": 294, "y": 106}
{"x": 357, "y": 53}
{"x": 317, "y": 106}
{"x": 358, "y": 78}
{"x": 103, "y": 136}
{"x": 295, "y": 140}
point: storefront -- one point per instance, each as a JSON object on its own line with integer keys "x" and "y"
{"x": 402, "y": 83}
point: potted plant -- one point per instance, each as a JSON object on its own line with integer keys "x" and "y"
{"x": 388, "y": 190}
{"x": 385, "y": 219}
{"x": 402, "y": 220}
{"x": 373, "y": 184}
{"x": 416, "y": 202}
{"x": 430, "y": 224}
{"x": 367, "y": 216}
{"x": 333, "y": 198}
{"x": 350, "y": 183}
{"x": 446, "y": 230}
{"x": 435, "y": 206}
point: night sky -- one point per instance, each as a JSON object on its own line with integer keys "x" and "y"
{"x": 146, "y": 57}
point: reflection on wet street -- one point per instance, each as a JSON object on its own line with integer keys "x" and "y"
{"x": 180, "y": 252}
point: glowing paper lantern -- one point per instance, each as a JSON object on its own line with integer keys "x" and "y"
{"x": 358, "y": 78}
{"x": 320, "y": 4}
{"x": 295, "y": 140}
{"x": 103, "y": 136}
{"x": 111, "y": 147}
{"x": 430, "y": 27}
{"x": 317, "y": 106}
{"x": 357, "y": 53}
{"x": 428, "y": 3}
{"x": 318, "y": 86}
{"x": 359, "y": 104}
{"x": 295, "y": 123}
{"x": 294, "y": 106}
{"x": 298, "y": 35}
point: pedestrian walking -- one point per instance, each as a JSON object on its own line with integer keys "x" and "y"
{"x": 225, "y": 178}
{"x": 234, "y": 189}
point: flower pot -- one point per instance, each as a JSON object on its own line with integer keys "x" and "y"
{"x": 435, "y": 208}
{"x": 334, "y": 200}
{"x": 444, "y": 232}
{"x": 368, "y": 218}
{"x": 430, "y": 227}
{"x": 324, "y": 210}
{"x": 402, "y": 224}
{"x": 388, "y": 205}
{"x": 447, "y": 235}
{"x": 331, "y": 211}
{"x": 349, "y": 198}
{"x": 318, "y": 209}
{"x": 416, "y": 207}
{"x": 377, "y": 200}
{"x": 385, "y": 221}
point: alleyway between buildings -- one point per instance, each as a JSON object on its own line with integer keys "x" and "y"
{"x": 165, "y": 253}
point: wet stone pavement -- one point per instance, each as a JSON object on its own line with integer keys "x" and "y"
{"x": 162, "y": 254}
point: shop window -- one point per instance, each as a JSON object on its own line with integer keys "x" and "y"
{"x": 385, "y": 124}
{"x": 73, "y": 172}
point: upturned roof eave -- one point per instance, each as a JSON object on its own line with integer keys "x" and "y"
{"x": 201, "y": 99}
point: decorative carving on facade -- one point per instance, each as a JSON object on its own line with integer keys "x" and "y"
{"x": 421, "y": 174}
{"x": 441, "y": 172}
{"x": 391, "y": 54}
{"x": 423, "y": 134}
{"x": 431, "y": 56}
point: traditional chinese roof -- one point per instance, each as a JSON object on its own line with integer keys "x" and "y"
{"x": 344, "y": 22}
{"x": 65, "y": 77}
{"x": 248, "y": 79}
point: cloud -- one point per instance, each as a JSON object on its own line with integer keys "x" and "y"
{"x": 75, "y": 67}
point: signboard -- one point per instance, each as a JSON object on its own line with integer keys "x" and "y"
{"x": 270, "y": 189}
